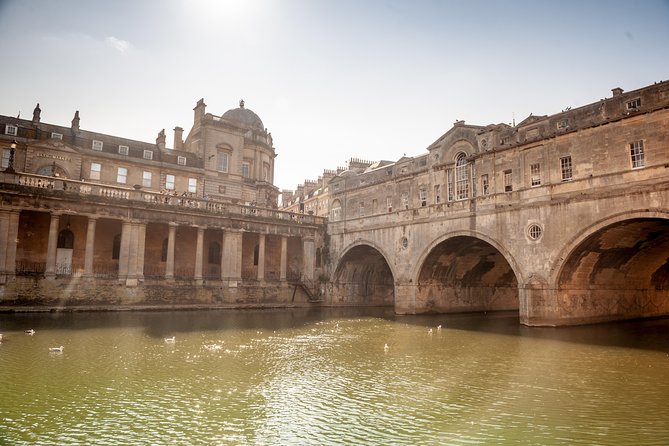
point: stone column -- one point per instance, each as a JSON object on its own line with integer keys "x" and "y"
{"x": 9, "y": 232}
{"x": 199, "y": 249}
{"x": 231, "y": 261}
{"x": 4, "y": 245}
{"x": 261, "y": 256}
{"x": 133, "y": 242}
{"x": 284, "y": 258}
{"x": 169, "y": 266}
{"x": 124, "y": 254}
{"x": 309, "y": 258}
{"x": 90, "y": 247}
{"x": 141, "y": 247}
{"x": 222, "y": 260}
{"x": 52, "y": 246}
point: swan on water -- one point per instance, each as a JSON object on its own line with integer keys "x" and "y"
{"x": 29, "y": 332}
{"x": 171, "y": 340}
{"x": 56, "y": 349}
{"x": 386, "y": 348}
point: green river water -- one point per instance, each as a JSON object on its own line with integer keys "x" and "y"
{"x": 323, "y": 377}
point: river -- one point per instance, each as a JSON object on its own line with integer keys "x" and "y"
{"x": 323, "y": 377}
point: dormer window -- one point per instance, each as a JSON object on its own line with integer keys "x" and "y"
{"x": 55, "y": 135}
{"x": 148, "y": 154}
{"x": 97, "y": 145}
{"x": 11, "y": 130}
{"x": 123, "y": 150}
{"x": 634, "y": 104}
{"x": 181, "y": 160}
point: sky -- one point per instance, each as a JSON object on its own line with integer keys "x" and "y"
{"x": 330, "y": 79}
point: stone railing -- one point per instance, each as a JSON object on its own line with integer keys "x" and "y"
{"x": 184, "y": 201}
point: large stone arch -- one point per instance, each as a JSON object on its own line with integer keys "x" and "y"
{"x": 617, "y": 268}
{"x": 466, "y": 271}
{"x": 363, "y": 276}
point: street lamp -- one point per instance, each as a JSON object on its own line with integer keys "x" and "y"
{"x": 10, "y": 163}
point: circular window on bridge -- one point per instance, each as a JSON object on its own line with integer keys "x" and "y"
{"x": 534, "y": 231}
{"x": 404, "y": 242}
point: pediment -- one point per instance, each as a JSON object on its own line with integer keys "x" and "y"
{"x": 51, "y": 145}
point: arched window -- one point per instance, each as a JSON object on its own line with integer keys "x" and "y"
{"x": 116, "y": 247}
{"x": 163, "y": 255}
{"x": 214, "y": 253}
{"x": 461, "y": 177}
{"x": 335, "y": 211}
{"x": 256, "y": 255}
{"x": 66, "y": 239}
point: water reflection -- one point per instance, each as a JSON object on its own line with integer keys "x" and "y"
{"x": 323, "y": 377}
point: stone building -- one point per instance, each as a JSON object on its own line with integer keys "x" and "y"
{"x": 196, "y": 223}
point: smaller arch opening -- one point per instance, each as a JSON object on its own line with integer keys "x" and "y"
{"x": 65, "y": 239}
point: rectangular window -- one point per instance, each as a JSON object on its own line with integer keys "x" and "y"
{"x": 146, "y": 178}
{"x": 96, "y": 168}
{"x": 361, "y": 209}
{"x": 122, "y": 175}
{"x": 437, "y": 193}
{"x": 389, "y": 203}
{"x": 245, "y": 170}
{"x": 11, "y": 130}
{"x": 181, "y": 160}
{"x": 148, "y": 154}
{"x": 449, "y": 184}
{"x": 405, "y": 200}
{"x": 223, "y": 162}
{"x": 508, "y": 181}
{"x": 97, "y": 145}
{"x": 535, "y": 174}
{"x": 634, "y": 104}
{"x": 485, "y": 184}
{"x": 192, "y": 185}
{"x": 422, "y": 196}
{"x": 55, "y": 135}
{"x": 565, "y": 168}
{"x": 221, "y": 189}
{"x": 374, "y": 206}
{"x": 6, "y": 153}
{"x": 123, "y": 150}
{"x": 636, "y": 151}
{"x": 169, "y": 182}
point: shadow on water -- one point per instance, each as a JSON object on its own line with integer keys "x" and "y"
{"x": 649, "y": 334}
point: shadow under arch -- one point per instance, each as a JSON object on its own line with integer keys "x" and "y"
{"x": 363, "y": 277}
{"x": 466, "y": 271}
{"x": 617, "y": 268}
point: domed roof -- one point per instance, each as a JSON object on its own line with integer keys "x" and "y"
{"x": 243, "y": 116}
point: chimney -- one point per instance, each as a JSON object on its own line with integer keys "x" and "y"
{"x": 160, "y": 140}
{"x": 178, "y": 138}
{"x": 75, "y": 122}
{"x": 36, "y": 114}
{"x": 199, "y": 110}
{"x": 617, "y": 91}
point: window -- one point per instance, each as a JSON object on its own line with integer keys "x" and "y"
{"x": 634, "y": 104}
{"x": 214, "y": 257}
{"x": 437, "y": 193}
{"x": 449, "y": 184}
{"x": 389, "y": 203}
{"x": 6, "y": 154}
{"x": 97, "y": 145}
{"x": 181, "y": 160}
{"x": 565, "y": 168}
{"x": 123, "y": 150}
{"x": 422, "y": 196}
{"x": 636, "y": 151}
{"x": 116, "y": 247}
{"x": 461, "y": 177}
{"x": 508, "y": 181}
{"x": 122, "y": 175}
{"x": 534, "y": 232}
{"x": 221, "y": 189}
{"x": 11, "y": 130}
{"x": 265, "y": 171}
{"x": 405, "y": 200}
{"x": 223, "y": 162}
{"x": 169, "y": 182}
{"x": 245, "y": 169}
{"x": 55, "y": 135}
{"x": 192, "y": 185}
{"x": 148, "y": 154}
{"x": 256, "y": 255}
{"x": 361, "y": 209}
{"x": 335, "y": 213}
{"x": 485, "y": 184}
{"x": 96, "y": 168}
{"x": 374, "y": 206}
{"x": 65, "y": 239}
{"x": 146, "y": 179}
{"x": 535, "y": 174}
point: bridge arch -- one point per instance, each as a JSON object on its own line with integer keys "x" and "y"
{"x": 617, "y": 268}
{"x": 363, "y": 277}
{"x": 466, "y": 271}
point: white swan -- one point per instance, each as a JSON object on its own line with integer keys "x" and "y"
{"x": 429, "y": 331}
{"x": 1, "y": 337}
{"x": 56, "y": 349}
{"x": 171, "y": 340}
{"x": 29, "y": 332}
{"x": 386, "y": 348}
{"x": 438, "y": 327}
